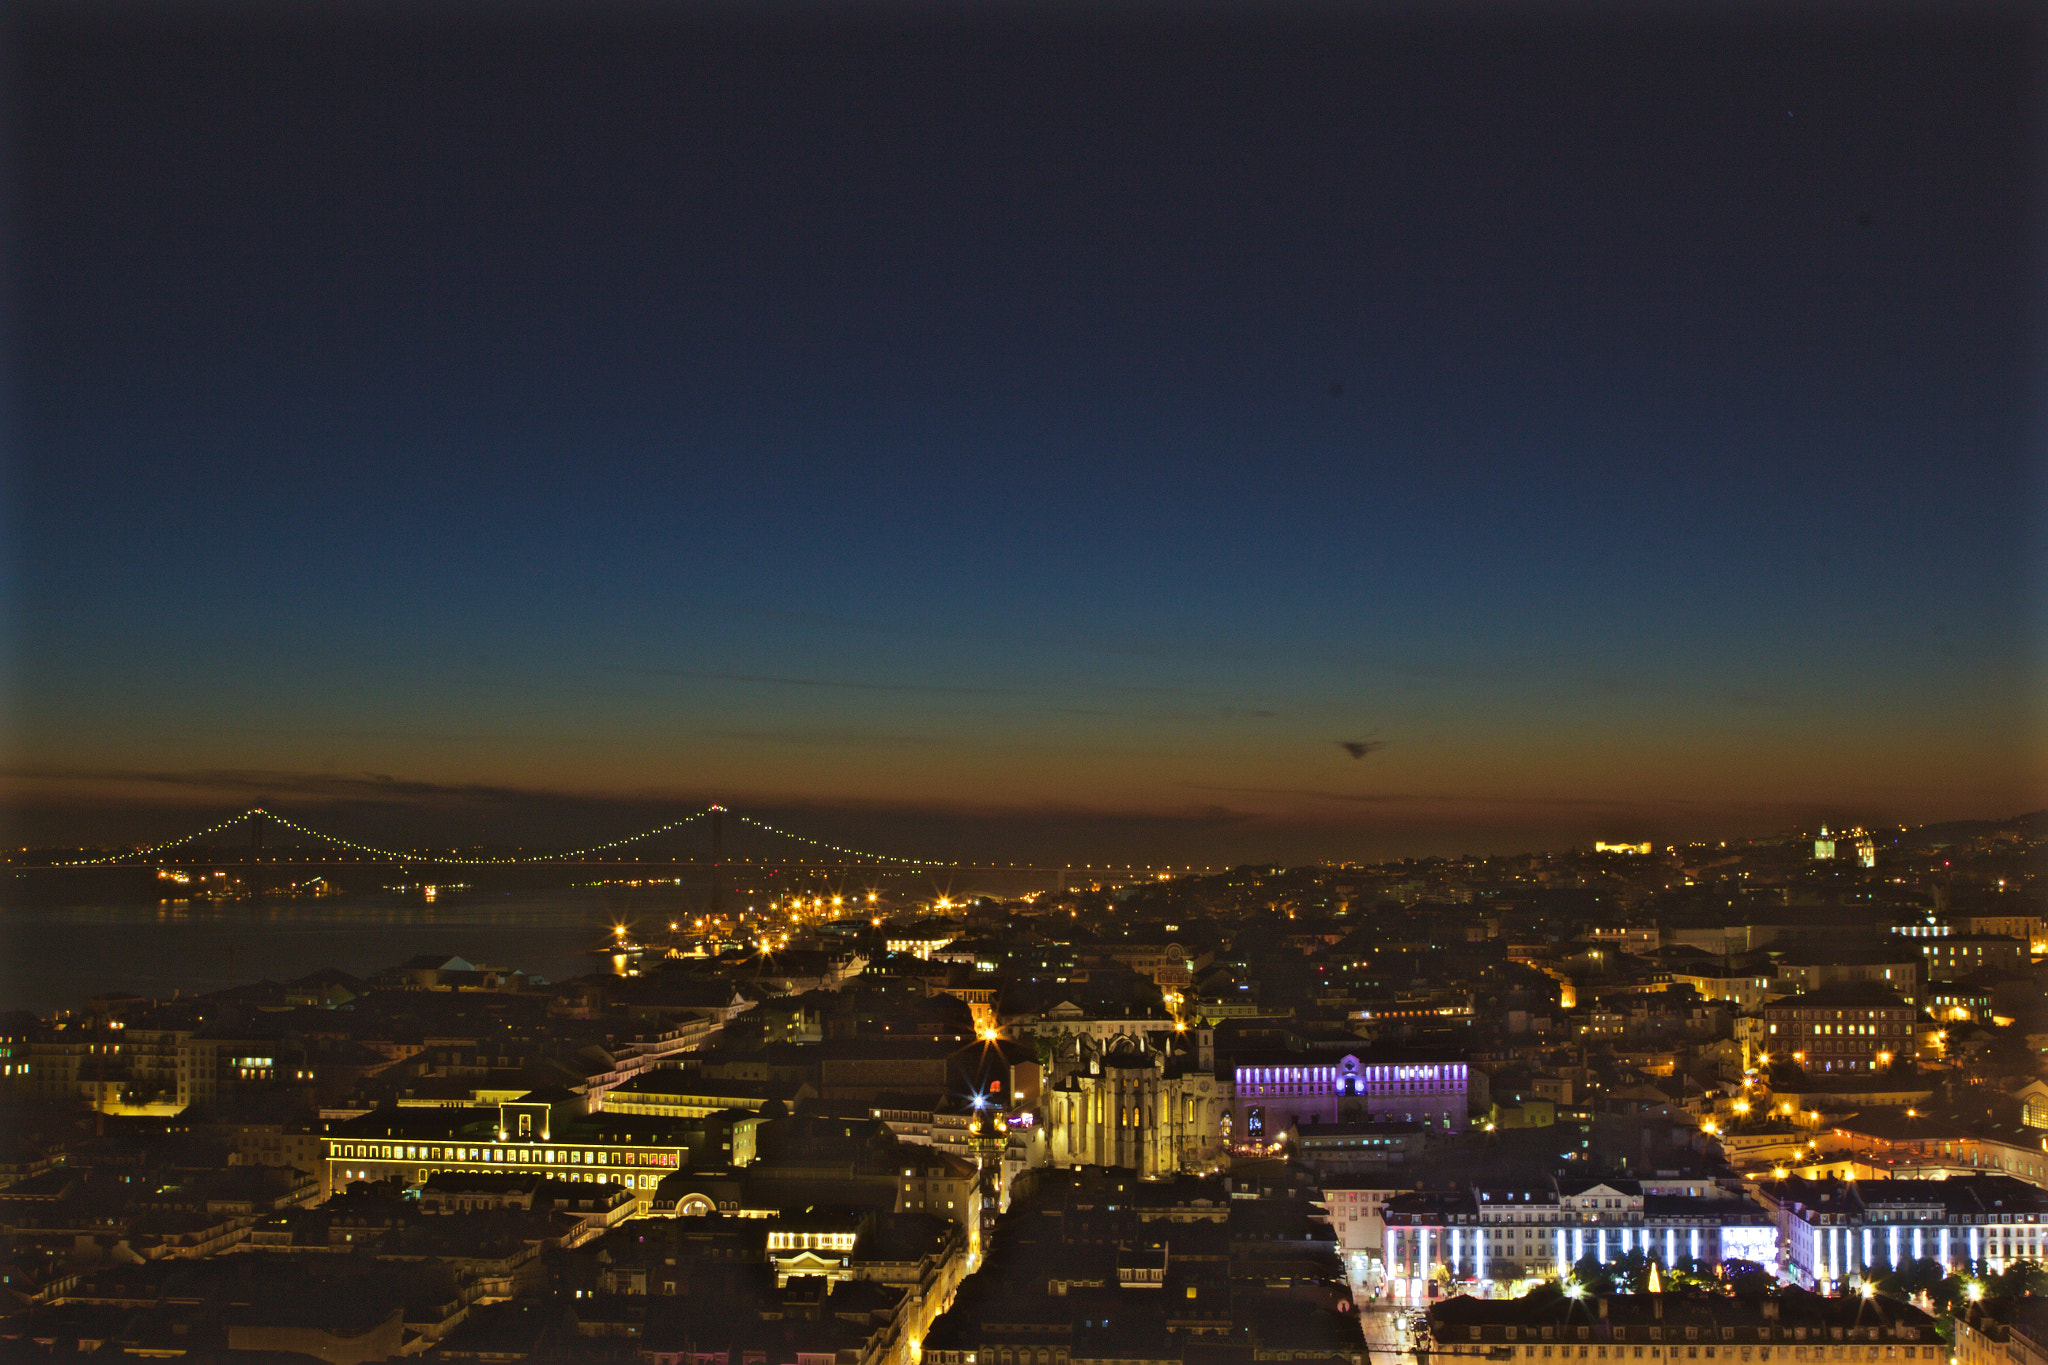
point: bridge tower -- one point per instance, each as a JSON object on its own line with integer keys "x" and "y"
{"x": 255, "y": 855}
{"x": 717, "y": 858}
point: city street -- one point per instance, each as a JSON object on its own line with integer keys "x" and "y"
{"x": 1387, "y": 1336}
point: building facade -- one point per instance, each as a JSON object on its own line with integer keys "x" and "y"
{"x": 668, "y": 1093}
{"x": 1273, "y": 1092}
{"x": 530, "y": 1137}
{"x": 1835, "y": 1230}
{"x": 1961, "y": 954}
{"x": 1151, "y": 1106}
{"x": 2013, "y": 1332}
{"x": 1488, "y": 1237}
{"x": 1790, "y": 1326}
{"x": 1859, "y": 1027}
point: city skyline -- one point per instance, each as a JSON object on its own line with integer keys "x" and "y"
{"x": 1014, "y": 682}
{"x": 718, "y": 835}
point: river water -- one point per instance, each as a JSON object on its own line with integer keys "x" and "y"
{"x": 107, "y": 937}
{"x": 54, "y": 956}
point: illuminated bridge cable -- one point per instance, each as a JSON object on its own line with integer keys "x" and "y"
{"x": 836, "y": 848}
{"x": 401, "y": 855}
{"x": 169, "y": 843}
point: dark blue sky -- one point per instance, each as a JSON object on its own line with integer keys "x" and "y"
{"x": 984, "y": 426}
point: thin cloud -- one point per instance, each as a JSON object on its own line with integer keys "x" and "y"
{"x": 266, "y": 782}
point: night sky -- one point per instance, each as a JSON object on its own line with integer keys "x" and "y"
{"x": 1041, "y": 431}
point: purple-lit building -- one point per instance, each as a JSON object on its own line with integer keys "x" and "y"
{"x": 1275, "y": 1090}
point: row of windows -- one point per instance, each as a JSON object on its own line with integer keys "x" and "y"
{"x": 392, "y": 1151}
{"x": 809, "y": 1241}
{"x": 1762, "y": 1353}
{"x": 1018, "y": 1357}
{"x": 1401, "y": 1088}
{"x": 1808, "y": 1219}
{"x": 1869, "y": 1333}
{"x": 626, "y": 1178}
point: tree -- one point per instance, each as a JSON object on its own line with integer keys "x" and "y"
{"x": 1953, "y": 1291}
{"x": 1691, "y": 1275}
{"x": 1747, "y": 1279}
{"x": 2018, "y": 1280}
{"x": 1629, "y": 1273}
{"x": 1923, "y": 1276}
{"x": 1593, "y": 1276}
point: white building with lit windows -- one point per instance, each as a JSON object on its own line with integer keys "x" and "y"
{"x": 1835, "y": 1230}
{"x": 1487, "y": 1237}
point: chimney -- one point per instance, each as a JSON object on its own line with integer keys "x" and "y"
{"x": 1657, "y": 1302}
{"x": 1603, "y": 1308}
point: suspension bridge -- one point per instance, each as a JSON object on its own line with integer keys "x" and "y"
{"x": 795, "y": 851}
